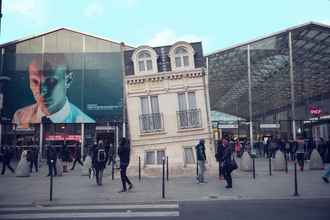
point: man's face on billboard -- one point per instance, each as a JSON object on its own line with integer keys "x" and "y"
{"x": 48, "y": 85}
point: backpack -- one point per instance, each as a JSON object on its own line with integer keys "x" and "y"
{"x": 101, "y": 155}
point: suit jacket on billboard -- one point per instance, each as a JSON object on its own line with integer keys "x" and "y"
{"x": 68, "y": 114}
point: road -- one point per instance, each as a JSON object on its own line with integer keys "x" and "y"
{"x": 193, "y": 210}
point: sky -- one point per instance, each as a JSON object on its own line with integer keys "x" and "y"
{"x": 218, "y": 24}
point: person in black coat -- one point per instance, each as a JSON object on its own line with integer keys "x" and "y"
{"x": 6, "y": 158}
{"x": 124, "y": 155}
{"x": 226, "y": 165}
{"x": 34, "y": 158}
{"x": 99, "y": 159}
{"x": 51, "y": 160}
{"x": 77, "y": 156}
{"x": 219, "y": 156}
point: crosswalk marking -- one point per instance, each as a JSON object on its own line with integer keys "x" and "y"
{"x": 91, "y": 211}
{"x": 88, "y": 207}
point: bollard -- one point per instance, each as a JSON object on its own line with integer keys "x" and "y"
{"x": 270, "y": 166}
{"x": 113, "y": 170}
{"x": 254, "y": 168}
{"x": 167, "y": 168}
{"x": 286, "y": 163}
{"x": 139, "y": 169}
{"x": 163, "y": 179}
{"x": 197, "y": 169}
{"x": 295, "y": 180}
{"x": 51, "y": 181}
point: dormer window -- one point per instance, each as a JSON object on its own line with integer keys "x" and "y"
{"x": 145, "y": 60}
{"x": 182, "y": 56}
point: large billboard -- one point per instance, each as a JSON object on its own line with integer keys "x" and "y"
{"x": 62, "y": 86}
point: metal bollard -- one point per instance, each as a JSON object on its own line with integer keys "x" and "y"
{"x": 139, "y": 169}
{"x": 270, "y": 166}
{"x": 286, "y": 163}
{"x": 163, "y": 179}
{"x": 295, "y": 180}
{"x": 167, "y": 168}
{"x": 113, "y": 170}
{"x": 51, "y": 181}
{"x": 254, "y": 168}
{"x": 196, "y": 169}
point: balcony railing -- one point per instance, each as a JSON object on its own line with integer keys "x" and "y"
{"x": 189, "y": 119}
{"x": 151, "y": 122}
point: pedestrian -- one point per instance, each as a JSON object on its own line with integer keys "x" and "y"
{"x": 111, "y": 155}
{"x": 6, "y": 158}
{"x": 219, "y": 155}
{"x": 301, "y": 150}
{"x": 326, "y": 175}
{"x": 201, "y": 158}
{"x": 51, "y": 160}
{"x": 99, "y": 160}
{"x": 65, "y": 156}
{"x": 227, "y": 165}
{"x": 77, "y": 156}
{"x": 33, "y": 154}
{"x": 124, "y": 154}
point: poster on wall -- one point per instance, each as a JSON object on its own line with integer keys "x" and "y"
{"x": 62, "y": 87}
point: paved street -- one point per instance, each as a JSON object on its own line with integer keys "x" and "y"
{"x": 229, "y": 209}
{"x": 77, "y": 197}
{"x": 72, "y": 188}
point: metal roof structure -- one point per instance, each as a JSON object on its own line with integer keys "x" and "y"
{"x": 268, "y": 60}
{"x": 58, "y": 29}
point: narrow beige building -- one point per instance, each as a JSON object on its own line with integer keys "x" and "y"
{"x": 168, "y": 112}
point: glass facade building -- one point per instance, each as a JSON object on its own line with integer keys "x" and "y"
{"x": 277, "y": 85}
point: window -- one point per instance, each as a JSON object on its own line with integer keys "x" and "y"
{"x": 188, "y": 155}
{"x": 187, "y": 101}
{"x": 188, "y": 114}
{"x": 151, "y": 118}
{"x": 145, "y": 61}
{"x": 181, "y": 57}
{"x": 155, "y": 157}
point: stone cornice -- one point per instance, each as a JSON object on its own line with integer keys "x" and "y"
{"x": 172, "y": 75}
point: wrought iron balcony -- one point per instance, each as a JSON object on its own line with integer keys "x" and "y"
{"x": 151, "y": 122}
{"x": 189, "y": 118}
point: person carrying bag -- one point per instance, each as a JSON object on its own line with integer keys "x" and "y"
{"x": 229, "y": 164}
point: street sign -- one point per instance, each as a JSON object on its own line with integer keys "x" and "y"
{"x": 227, "y": 126}
{"x": 270, "y": 126}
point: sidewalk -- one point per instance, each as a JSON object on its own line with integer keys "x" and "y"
{"x": 72, "y": 188}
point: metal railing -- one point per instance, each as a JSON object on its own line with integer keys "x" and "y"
{"x": 151, "y": 122}
{"x": 189, "y": 118}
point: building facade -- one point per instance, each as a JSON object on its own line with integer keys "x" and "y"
{"x": 83, "y": 70}
{"x": 166, "y": 90}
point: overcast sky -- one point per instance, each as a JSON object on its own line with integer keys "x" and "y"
{"x": 217, "y": 23}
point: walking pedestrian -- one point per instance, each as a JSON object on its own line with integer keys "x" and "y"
{"x": 219, "y": 155}
{"x": 201, "y": 158}
{"x": 33, "y": 158}
{"x": 124, "y": 154}
{"x": 111, "y": 155}
{"x": 77, "y": 156}
{"x": 51, "y": 160}
{"x": 227, "y": 165}
{"x": 301, "y": 150}
{"x": 6, "y": 158}
{"x": 99, "y": 160}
